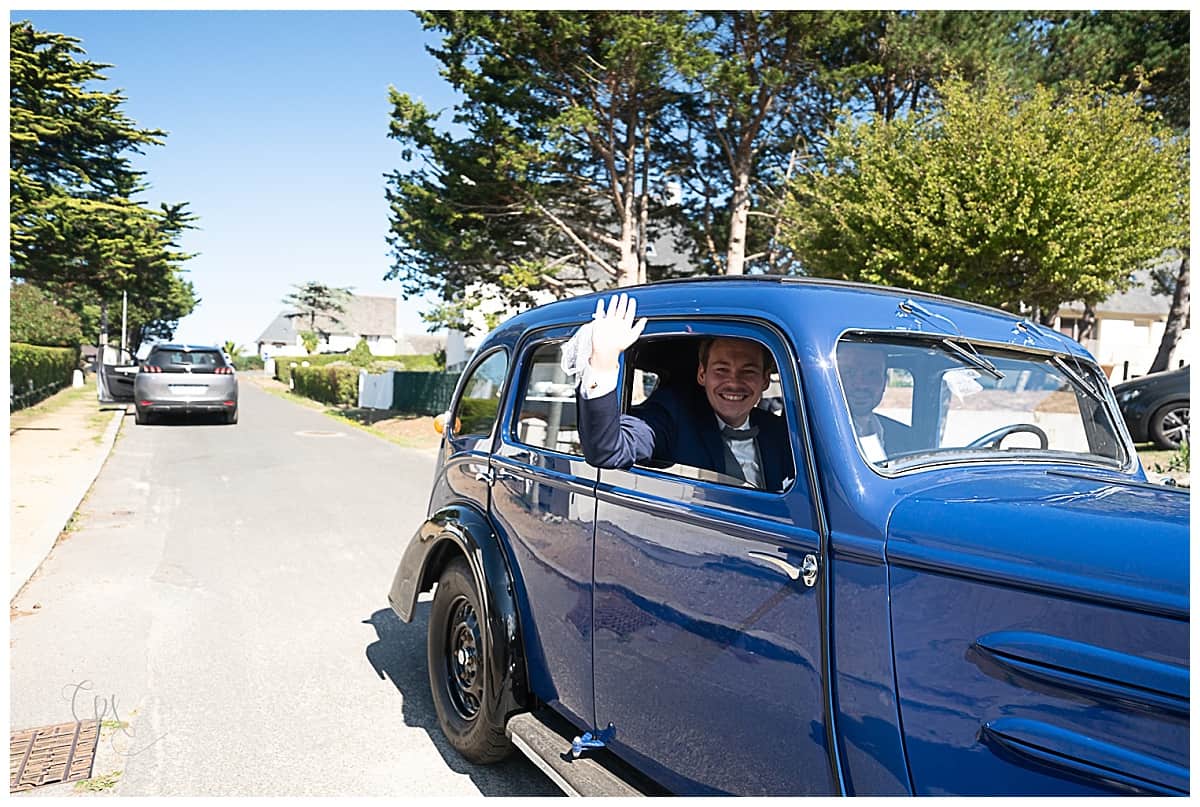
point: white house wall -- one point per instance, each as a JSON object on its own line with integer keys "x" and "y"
{"x": 1121, "y": 340}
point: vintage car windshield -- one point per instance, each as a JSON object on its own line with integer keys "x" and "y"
{"x": 917, "y": 401}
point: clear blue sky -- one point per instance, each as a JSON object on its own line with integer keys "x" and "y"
{"x": 277, "y": 135}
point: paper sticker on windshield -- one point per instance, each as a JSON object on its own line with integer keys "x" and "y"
{"x": 962, "y": 382}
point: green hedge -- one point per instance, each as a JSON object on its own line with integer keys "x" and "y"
{"x": 38, "y": 372}
{"x": 251, "y": 362}
{"x": 36, "y": 319}
{"x": 335, "y": 385}
{"x": 412, "y": 361}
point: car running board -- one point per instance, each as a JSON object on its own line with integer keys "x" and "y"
{"x": 538, "y": 735}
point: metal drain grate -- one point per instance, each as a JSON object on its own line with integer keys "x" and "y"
{"x": 51, "y": 754}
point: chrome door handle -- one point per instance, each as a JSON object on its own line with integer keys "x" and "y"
{"x": 791, "y": 571}
{"x": 808, "y": 570}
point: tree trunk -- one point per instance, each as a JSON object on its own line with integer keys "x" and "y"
{"x": 735, "y": 259}
{"x": 643, "y": 238}
{"x": 1088, "y": 323}
{"x": 1177, "y": 318}
{"x": 627, "y": 267}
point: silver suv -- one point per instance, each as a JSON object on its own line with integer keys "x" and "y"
{"x": 185, "y": 379}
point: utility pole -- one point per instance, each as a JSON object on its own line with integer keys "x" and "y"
{"x": 124, "y": 312}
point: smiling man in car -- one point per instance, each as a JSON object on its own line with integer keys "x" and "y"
{"x": 723, "y": 431}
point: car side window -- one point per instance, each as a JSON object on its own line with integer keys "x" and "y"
{"x": 546, "y": 413}
{"x": 479, "y": 404}
{"x": 662, "y": 372}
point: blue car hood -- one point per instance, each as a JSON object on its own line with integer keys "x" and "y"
{"x": 1116, "y": 541}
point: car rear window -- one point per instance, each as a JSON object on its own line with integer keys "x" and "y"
{"x": 182, "y": 361}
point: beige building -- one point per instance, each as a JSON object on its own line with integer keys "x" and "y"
{"x": 1128, "y": 329}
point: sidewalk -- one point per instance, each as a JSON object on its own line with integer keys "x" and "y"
{"x": 56, "y": 450}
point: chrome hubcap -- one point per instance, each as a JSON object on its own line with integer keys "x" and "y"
{"x": 1175, "y": 425}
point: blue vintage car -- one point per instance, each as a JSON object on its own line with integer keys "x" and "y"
{"x": 985, "y": 596}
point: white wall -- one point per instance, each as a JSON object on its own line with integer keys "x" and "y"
{"x": 275, "y": 349}
{"x": 1120, "y": 340}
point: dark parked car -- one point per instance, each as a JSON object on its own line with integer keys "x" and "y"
{"x": 1155, "y": 407}
{"x": 988, "y": 599}
{"x": 179, "y": 379}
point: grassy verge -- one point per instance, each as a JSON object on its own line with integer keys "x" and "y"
{"x": 55, "y": 403}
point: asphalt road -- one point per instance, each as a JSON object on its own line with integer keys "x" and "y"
{"x": 223, "y": 600}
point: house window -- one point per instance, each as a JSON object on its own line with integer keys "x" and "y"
{"x": 1070, "y": 326}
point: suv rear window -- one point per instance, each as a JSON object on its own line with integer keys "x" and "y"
{"x": 182, "y": 361}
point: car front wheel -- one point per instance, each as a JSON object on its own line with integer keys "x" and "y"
{"x": 458, "y": 650}
{"x": 1169, "y": 426}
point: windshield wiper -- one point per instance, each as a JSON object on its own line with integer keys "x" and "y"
{"x": 972, "y": 357}
{"x": 1078, "y": 378}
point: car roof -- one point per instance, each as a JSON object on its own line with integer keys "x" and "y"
{"x": 816, "y": 311}
{"x": 174, "y": 346}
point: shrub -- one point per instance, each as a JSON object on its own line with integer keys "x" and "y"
{"x": 35, "y": 319}
{"x": 310, "y": 340}
{"x": 334, "y": 385}
{"x": 37, "y": 372}
{"x": 361, "y": 356}
{"x": 251, "y": 362}
{"x": 411, "y": 361}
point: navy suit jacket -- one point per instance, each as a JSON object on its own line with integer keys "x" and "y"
{"x": 676, "y": 427}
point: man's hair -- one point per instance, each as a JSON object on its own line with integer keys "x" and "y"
{"x": 707, "y": 342}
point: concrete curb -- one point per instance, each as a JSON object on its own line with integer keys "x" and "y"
{"x": 47, "y": 534}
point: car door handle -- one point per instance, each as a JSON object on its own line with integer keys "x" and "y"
{"x": 808, "y": 570}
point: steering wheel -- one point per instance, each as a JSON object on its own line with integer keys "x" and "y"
{"x": 994, "y": 438}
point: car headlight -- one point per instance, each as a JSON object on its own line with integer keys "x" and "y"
{"x": 1128, "y": 395}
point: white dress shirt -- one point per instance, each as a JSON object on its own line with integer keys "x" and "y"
{"x": 744, "y": 452}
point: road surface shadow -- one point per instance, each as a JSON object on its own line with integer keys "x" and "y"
{"x": 399, "y": 656}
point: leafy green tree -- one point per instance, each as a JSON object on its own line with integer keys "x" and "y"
{"x": 360, "y": 355}
{"x": 314, "y": 300}
{"x": 1026, "y": 203}
{"x": 35, "y": 318}
{"x": 888, "y": 63}
{"x": 232, "y": 348}
{"x": 562, "y": 113}
{"x": 310, "y": 340}
{"x": 74, "y": 219}
{"x": 1144, "y": 51}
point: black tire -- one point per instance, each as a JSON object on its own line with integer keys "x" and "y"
{"x": 231, "y": 417}
{"x": 1170, "y": 425}
{"x": 458, "y": 653}
{"x": 140, "y": 416}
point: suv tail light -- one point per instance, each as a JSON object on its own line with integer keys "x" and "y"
{"x": 222, "y": 371}
{"x": 150, "y": 368}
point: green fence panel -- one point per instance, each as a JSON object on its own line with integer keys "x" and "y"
{"x": 423, "y": 393}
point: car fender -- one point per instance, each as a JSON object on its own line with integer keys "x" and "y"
{"x": 462, "y": 530}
